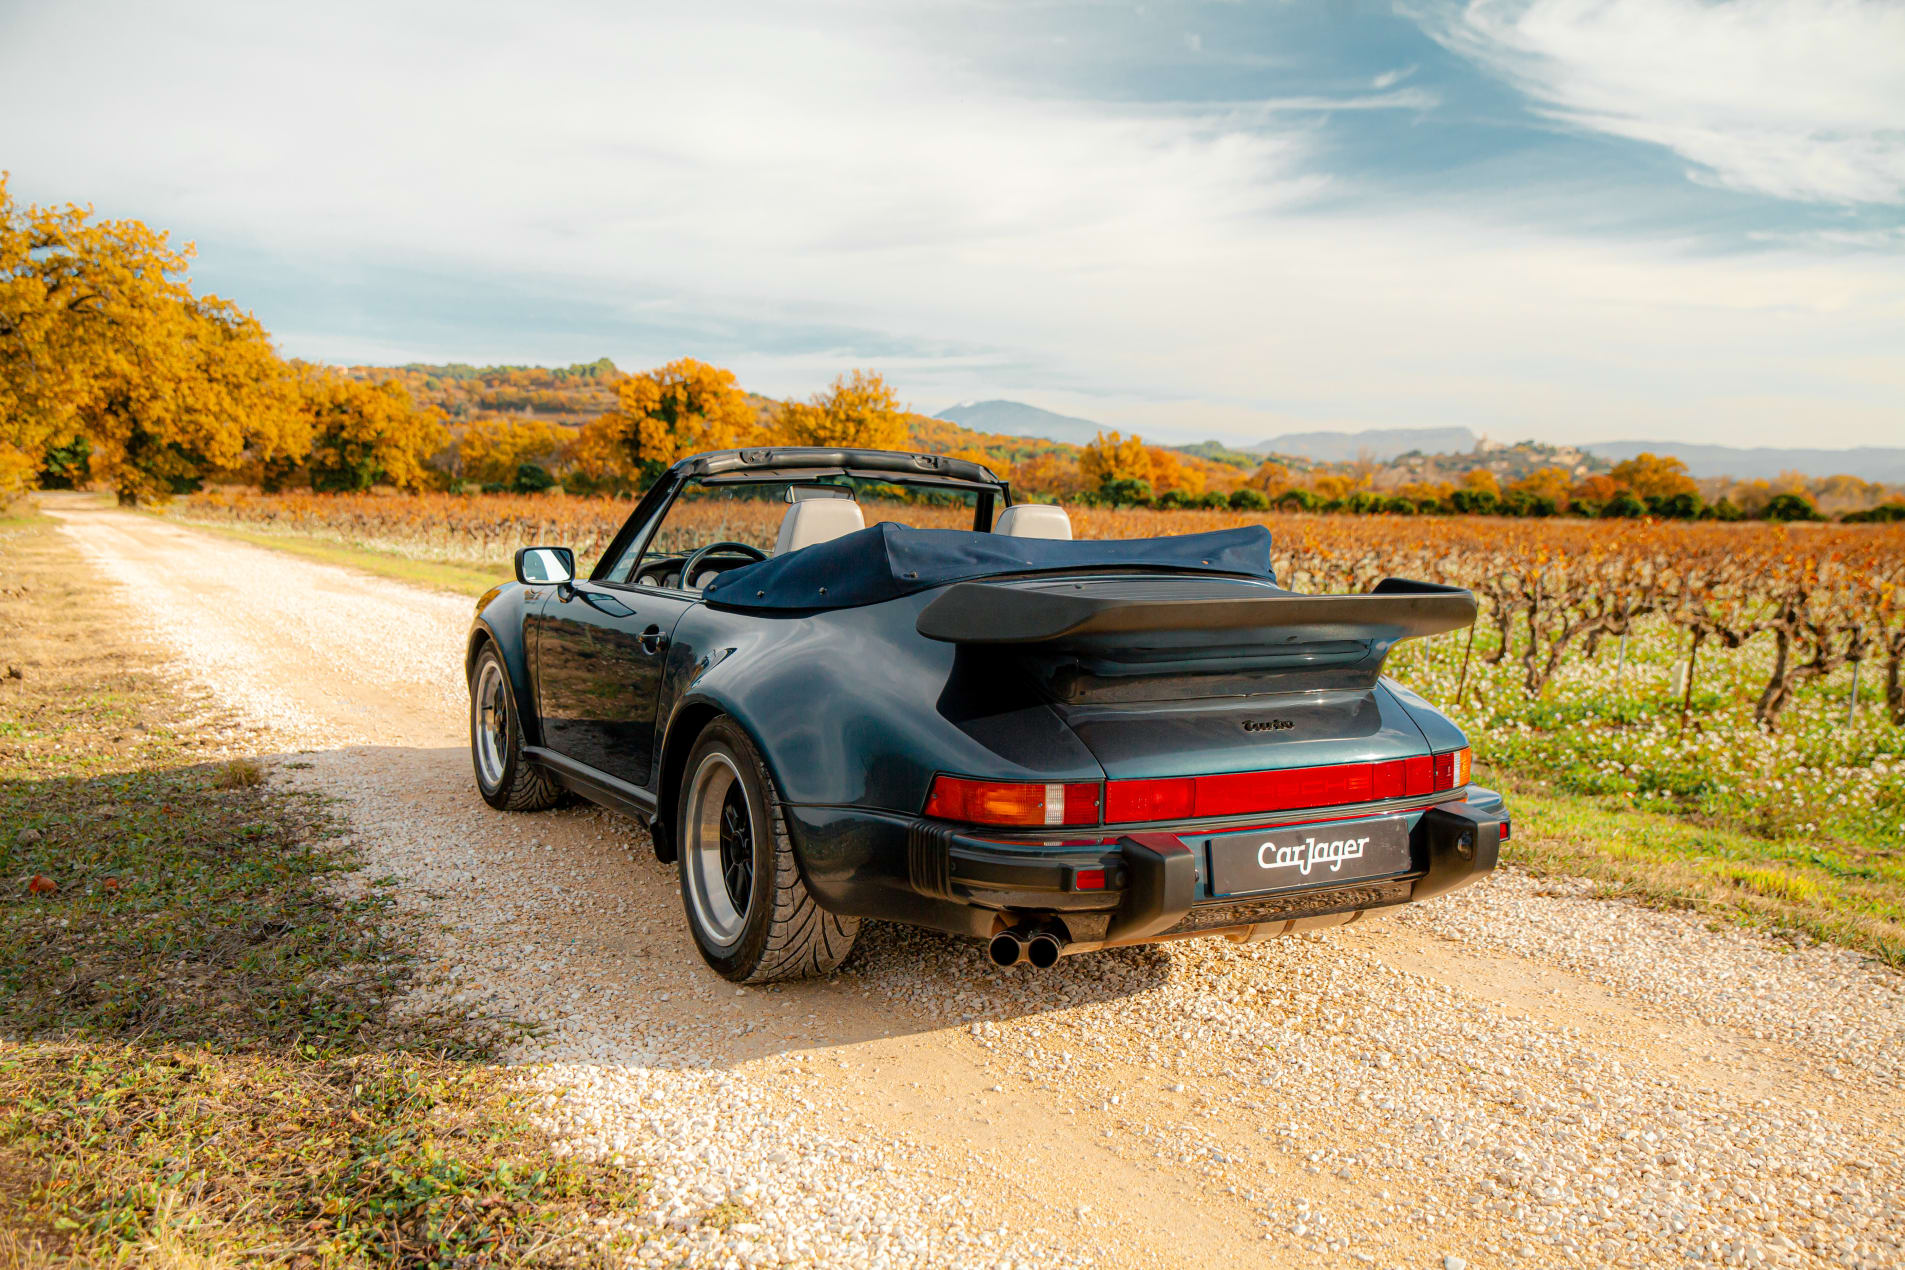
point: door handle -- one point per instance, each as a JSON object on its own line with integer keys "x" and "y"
{"x": 653, "y": 641}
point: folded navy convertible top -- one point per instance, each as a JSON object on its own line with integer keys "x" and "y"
{"x": 886, "y": 561}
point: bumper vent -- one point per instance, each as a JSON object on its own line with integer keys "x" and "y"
{"x": 929, "y": 858}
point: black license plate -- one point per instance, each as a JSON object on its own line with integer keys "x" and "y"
{"x": 1304, "y": 856}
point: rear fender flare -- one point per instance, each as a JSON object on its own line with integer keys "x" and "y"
{"x": 508, "y": 641}
{"x": 690, "y": 717}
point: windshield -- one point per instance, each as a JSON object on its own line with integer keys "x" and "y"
{"x": 751, "y": 512}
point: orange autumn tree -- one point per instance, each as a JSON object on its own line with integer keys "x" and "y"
{"x": 1551, "y": 483}
{"x": 859, "y": 410}
{"x": 1110, "y": 462}
{"x": 491, "y": 450}
{"x": 661, "y": 415}
{"x": 1655, "y": 476}
{"x": 365, "y": 434}
{"x": 1170, "y": 473}
{"x": 1271, "y": 478}
{"x": 106, "y": 342}
{"x": 1050, "y": 474}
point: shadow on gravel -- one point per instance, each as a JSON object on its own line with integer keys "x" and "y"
{"x": 588, "y": 941}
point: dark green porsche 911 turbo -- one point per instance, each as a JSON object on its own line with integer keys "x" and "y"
{"x": 1050, "y": 745}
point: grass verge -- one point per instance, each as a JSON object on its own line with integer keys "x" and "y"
{"x": 1834, "y": 892}
{"x": 203, "y": 1059}
{"x": 460, "y": 579}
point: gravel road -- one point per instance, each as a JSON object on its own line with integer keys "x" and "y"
{"x": 1518, "y": 1075}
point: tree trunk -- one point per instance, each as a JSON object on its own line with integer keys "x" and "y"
{"x": 1503, "y": 617}
{"x": 1779, "y": 688}
{"x": 1895, "y": 681}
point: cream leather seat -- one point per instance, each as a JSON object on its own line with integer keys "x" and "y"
{"x": 1034, "y": 520}
{"x": 813, "y": 520}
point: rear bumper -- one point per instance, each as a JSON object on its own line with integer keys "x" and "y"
{"x": 1142, "y": 887}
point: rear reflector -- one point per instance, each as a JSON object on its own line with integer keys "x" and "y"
{"x": 1169, "y": 798}
{"x": 1088, "y": 879}
{"x": 1012, "y": 802}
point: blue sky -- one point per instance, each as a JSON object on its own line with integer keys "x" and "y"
{"x": 1534, "y": 218}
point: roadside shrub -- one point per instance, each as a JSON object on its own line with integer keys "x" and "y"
{"x": 1248, "y": 500}
{"x": 1791, "y": 507}
{"x": 1126, "y": 492}
{"x": 1883, "y": 514}
{"x": 1683, "y": 506}
{"x": 1623, "y": 506}
{"x": 531, "y": 478}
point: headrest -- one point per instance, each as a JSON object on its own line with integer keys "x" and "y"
{"x": 1034, "y": 520}
{"x": 813, "y": 520}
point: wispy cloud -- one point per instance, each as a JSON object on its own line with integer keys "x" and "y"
{"x": 793, "y": 191}
{"x": 1798, "y": 99}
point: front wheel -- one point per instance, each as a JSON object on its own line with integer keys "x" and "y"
{"x": 507, "y": 780}
{"x": 748, "y": 909}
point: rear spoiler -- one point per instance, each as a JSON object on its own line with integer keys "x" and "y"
{"x": 1054, "y": 612}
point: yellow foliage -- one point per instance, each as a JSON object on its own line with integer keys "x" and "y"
{"x": 490, "y": 450}
{"x": 1051, "y": 473}
{"x": 1548, "y": 482}
{"x": 1598, "y": 488}
{"x": 1655, "y": 476}
{"x": 859, "y": 411}
{"x": 1424, "y": 491}
{"x": 1482, "y": 481}
{"x": 1169, "y": 471}
{"x": 1271, "y": 478}
{"x": 365, "y": 434}
{"x": 661, "y": 415}
{"x": 17, "y": 470}
{"x": 104, "y": 339}
{"x": 1331, "y": 486}
{"x": 1111, "y": 457}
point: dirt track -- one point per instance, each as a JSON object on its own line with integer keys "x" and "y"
{"x": 1505, "y": 1077}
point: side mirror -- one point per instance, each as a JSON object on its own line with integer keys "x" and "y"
{"x": 545, "y": 564}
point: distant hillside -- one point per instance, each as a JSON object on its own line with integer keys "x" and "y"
{"x": 1016, "y": 419}
{"x": 1380, "y": 444}
{"x": 557, "y": 394}
{"x": 1218, "y": 452}
{"x": 1872, "y": 462}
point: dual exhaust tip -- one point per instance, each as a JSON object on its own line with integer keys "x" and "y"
{"x": 1039, "y": 947}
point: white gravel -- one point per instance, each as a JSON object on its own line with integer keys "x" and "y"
{"x": 1508, "y": 1077}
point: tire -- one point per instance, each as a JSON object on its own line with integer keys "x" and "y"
{"x": 507, "y": 780}
{"x": 753, "y": 924}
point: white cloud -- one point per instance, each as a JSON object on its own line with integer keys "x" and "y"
{"x": 1798, "y": 99}
{"x": 1162, "y": 265}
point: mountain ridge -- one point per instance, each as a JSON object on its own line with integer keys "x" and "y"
{"x": 1746, "y": 463}
{"x": 1874, "y": 463}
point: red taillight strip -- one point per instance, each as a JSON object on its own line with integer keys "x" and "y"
{"x": 1287, "y": 789}
{"x": 1167, "y": 798}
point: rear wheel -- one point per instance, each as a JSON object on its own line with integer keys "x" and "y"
{"x": 749, "y": 911}
{"x": 507, "y": 780}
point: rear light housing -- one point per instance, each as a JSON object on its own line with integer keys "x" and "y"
{"x": 980, "y": 802}
{"x": 1124, "y": 802}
